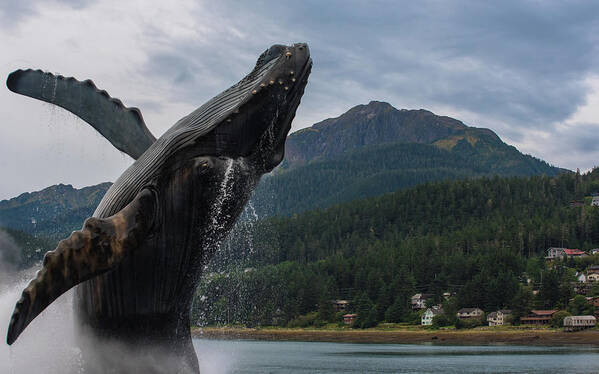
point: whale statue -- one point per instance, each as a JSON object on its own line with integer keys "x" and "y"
{"x": 136, "y": 262}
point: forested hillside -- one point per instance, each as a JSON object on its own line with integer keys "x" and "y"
{"x": 52, "y": 212}
{"x": 478, "y": 238}
{"x": 375, "y": 170}
{"x": 19, "y": 250}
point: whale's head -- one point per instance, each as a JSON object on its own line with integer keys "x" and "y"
{"x": 279, "y": 96}
{"x": 252, "y": 118}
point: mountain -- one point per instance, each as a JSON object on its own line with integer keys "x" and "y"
{"x": 370, "y": 150}
{"x": 52, "y": 212}
{"x": 374, "y": 149}
{"x": 365, "y": 125}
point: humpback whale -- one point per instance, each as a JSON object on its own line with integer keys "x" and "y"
{"x": 136, "y": 262}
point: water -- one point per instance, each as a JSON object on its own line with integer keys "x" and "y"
{"x": 236, "y": 357}
{"x": 225, "y": 189}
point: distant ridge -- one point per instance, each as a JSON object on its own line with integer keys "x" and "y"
{"x": 52, "y": 212}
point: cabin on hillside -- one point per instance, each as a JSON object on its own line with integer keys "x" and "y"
{"x": 582, "y": 278}
{"x": 418, "y": 301}
{"x": 467, "y": 313}
{"x": 427, "y": 317}
{"x": 575, "y": 323}
{"x": 498, "y": 318}
{"x": 538, "y": 317}
{"x": 340, "y": 305}
{"x": 556, "y": 252}
{"x": 594, "y": 251}
{"x": 582, "y": 288}
{"x": 593, "y": 300}
{"x": 593, "y": 277}
{"x": 349, "y": 319}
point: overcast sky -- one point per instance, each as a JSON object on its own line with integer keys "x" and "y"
{"x": 527, "y": 70}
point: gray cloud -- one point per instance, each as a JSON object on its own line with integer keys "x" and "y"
{"x": 521, "y": 62}
{"x": 13, "y": 12}
{"x": 518, "y": 67}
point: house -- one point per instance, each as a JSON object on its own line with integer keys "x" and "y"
{"x": 595, "y": 251}
{"x": 418, "y": 301}
{"x": 594, "y": 300}
{"x": 427, "y": 317}
{"x": 575, "y": 323}
{"x": 466, "y": 313}
{"x": 349, "y": 319}
{"x": 582, "y": 288}
{"x": 593, "y": 269}
{"x": 555, "y": 252}
{"x": 340, "y": 305}
{"x": 538, "y": 317}
{"x": 595, "y": 201}
{"x": 593, "y": 277}
{"x": 582, "y": 278}
{"x": 498, "y": 318}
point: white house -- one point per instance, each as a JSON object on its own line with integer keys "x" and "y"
{"x": 498, "y": 318}
{"x": 582, "y": 278}
{"x": 593, "y": 277}
{"x": 429, "y": 314}
{"x": 573, "y": 323}
{"x": 595, "y": 201}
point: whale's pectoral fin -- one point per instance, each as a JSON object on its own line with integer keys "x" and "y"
{"x": 123, "y": 127}
{"x": 99, "y": 246}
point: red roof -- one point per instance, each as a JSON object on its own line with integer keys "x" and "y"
{"x": 543, "y": 312}
{"x": 573, "y": 252}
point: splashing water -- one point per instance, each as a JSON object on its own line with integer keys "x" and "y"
{"x": 52, "y": 82}
{"x": 48, "y": 342}
{"x": 223, "y": 194}
{"x": 251, "y": 210}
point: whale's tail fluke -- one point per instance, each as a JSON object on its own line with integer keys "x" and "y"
{"x": 121, "y": 126}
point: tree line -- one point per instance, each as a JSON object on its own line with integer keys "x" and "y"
{"x": 482, "y": 240}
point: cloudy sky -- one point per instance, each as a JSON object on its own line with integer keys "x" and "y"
{"x": 529, "y": 70}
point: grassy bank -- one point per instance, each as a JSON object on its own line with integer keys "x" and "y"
{"x": 523, "y": 336}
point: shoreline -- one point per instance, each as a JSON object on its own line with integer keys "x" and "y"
{"x": 398, "y": 336}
